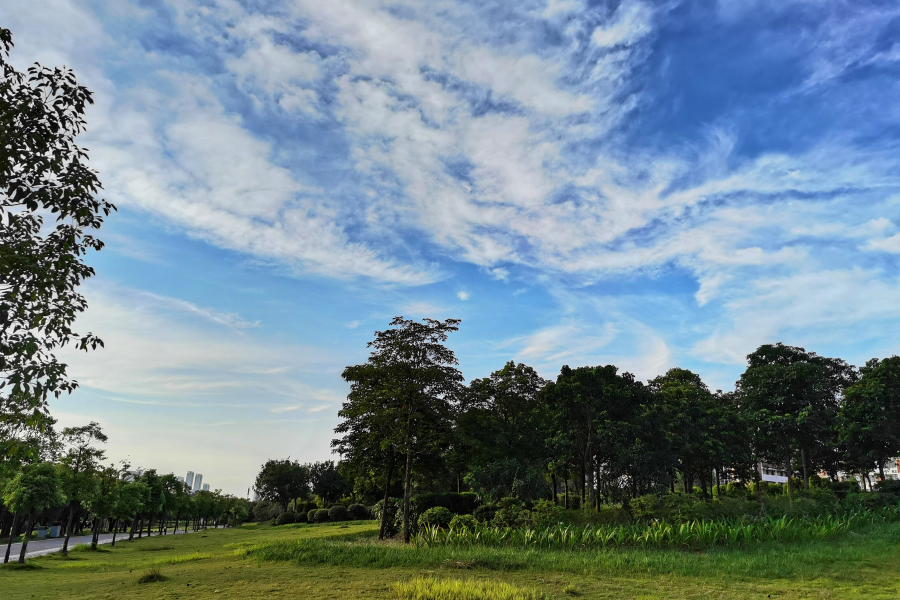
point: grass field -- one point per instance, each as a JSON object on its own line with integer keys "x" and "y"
{"x": 344, "y": 561}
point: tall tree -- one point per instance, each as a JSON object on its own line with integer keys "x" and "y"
{"x": 500, "y": 431}
{"x": 870, "y": 415}
{"x": 793, "y": 397}
{"x": 282, "y": 481}
{"x": 48, "y": 206}
{"x": 408, "y": 388}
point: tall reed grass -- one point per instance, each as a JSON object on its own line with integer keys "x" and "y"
{"x": 695, "y": 534}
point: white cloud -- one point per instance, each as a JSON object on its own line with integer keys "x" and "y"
{"x": 630, "y": 23}
{"x": 463, "y": 296}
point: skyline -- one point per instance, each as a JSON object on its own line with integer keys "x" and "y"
{"x": 644, "y": 184}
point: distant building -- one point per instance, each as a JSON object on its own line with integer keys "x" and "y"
{"x": 198, "y": 482}
{"x": 205, "y": 487}
{"x": 189, "y": 480}
{"x": 772, "y": 473}
{"x": 180, "y": 479}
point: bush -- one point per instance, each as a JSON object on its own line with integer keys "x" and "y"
{"x": 274, "y": 511}
{"x": 509, "y": 513}
{"x": 319, "y": 516}
{"x": 464, "y": 522}
{"x": 485, "y": 513}
{"x": 338, "y": 512}
{"x": 301, "y": 517}
{"x": 358, "y": 512}
{"x": 261, "y": 511}
{"x": 735, "y": 489}
{"x": 286, "y": 518}
{"x": 436, "y": 517}
{"x": 458, "y": 504}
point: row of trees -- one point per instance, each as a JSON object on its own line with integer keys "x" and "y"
{"x": 599, "y": 432}
{"x": 64, "y": 480}
{"x": 284, "y": 481}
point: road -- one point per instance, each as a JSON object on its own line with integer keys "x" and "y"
{"x": 49, "y": 546}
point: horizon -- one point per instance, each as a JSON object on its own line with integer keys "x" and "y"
{"x": 644, "y": 184}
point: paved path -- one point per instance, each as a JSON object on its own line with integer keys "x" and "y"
{"x": 49, "y": 546}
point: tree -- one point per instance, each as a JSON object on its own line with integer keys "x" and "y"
{"x": 327, "y": 482}
{"x": 79, "y": 465}
{"x": 34, "y": 490}
{"x": 596, "y": 416}
{"x": 43, "y": 173}
{"x": 128, "y": 502}
{"x": 499, "y": 433}
{"x": 103, "y": 499}
{"x": 282, "y": 481}
{"x": 406, "y": 390}
{"x": 870, "y": 415}
{"x": 697, "y": 423}
{"x": 793, "y": 397}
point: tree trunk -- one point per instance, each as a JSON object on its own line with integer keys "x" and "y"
{"x": 881, "y": 470}
{"x": 789, "y": 472}
{"x": 387, "y": 488}
{"x": 553, "y": 495}
{"x": 406, "y": 491}
{"x": 805, "y": 472}
{"x": 718, "y": 491}
{"x": 29, "y": 524}
{"x": 95, "y": 533}
{"x": 65, "y": 547}
{"x": 12, "y": 529}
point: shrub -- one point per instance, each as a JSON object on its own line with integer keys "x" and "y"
{"x": 301, "y": 517}
{"x": 485, "y": 513}
{"x": 509, "y": 513}
{"x": 286, "y": 518}
{"x": 545, "y": 513}
{"x": 735, "y": 489}
{"x": 464, "y": 522}
{"x": 320, "y": 515}
{"x": 261, "y": 511}
{"x": 308, "y": 506}
{"x": 457, "y": 503}
{"x": 338, "y": 512}
{"x": 274, "y": 511}
{"x": 358, "y": 512}
{"x": 436, "y": 517}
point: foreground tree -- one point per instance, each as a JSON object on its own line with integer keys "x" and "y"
{"x": 43, "y": 174}
{"x": 407, "y": 389}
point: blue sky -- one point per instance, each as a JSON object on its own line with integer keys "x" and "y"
{"x": 647, "y": 184}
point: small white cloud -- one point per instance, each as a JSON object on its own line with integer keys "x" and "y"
{"x": 630, "y": 23}
{"x": 282, "y": 409}
{"x": 352, "y": 324}
{"x": 463, "y": 296}
{"x": 316, "y": 409}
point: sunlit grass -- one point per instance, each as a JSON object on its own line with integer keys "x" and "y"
{"x": 431, "y": 588}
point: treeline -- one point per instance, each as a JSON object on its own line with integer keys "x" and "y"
{"x": 597, "y": 435}
{"x": 60, "y": 479}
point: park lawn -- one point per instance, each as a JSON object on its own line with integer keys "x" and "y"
{"x": 226, "y": 563}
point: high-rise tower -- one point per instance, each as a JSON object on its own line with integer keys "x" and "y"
{"x": 198, "y": 482}
{"x": 189, "y": 480}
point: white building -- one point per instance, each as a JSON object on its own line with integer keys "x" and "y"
{"x": 189, "y": 480}
{"x": 205, "y": 487}
{"x": 198, "y": 482}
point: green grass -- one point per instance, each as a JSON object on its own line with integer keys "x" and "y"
{"x": 331, "y": 562}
